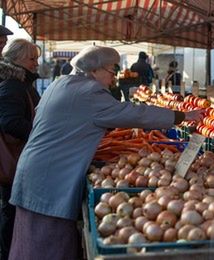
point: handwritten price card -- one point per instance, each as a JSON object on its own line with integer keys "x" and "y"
{"x": 189, "y": 154}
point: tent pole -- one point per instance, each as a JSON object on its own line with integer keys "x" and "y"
{"x": 34, "y": 27}
{"x": 3, "y": 18}
{"x": 208, "y": 55}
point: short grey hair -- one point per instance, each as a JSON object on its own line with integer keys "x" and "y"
{"x": 95, "y": 57}
{"x": 20, "y": 49}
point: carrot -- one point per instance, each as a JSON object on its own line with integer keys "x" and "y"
{"x": 119, "y": 133}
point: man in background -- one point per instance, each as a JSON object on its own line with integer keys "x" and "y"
{"x": 66, "y": 68}
{"x": 143, "y": 68}
{"x": 4, "y": 32}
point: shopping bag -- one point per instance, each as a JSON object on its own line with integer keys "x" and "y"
{"x": 10, "y": 150}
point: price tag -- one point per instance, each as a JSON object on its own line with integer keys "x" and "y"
{"x": 189, "y": 154}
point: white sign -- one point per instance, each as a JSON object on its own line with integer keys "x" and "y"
{"x": 189, "y": 154}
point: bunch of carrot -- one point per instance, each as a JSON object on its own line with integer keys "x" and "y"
{"x": 125, "y": 141}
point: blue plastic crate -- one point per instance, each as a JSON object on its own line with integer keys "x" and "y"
{"x": 101, "y": 248}
{"x": 95, "y": 194}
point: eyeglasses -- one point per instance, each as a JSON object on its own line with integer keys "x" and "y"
{"x": 110, "y": 71}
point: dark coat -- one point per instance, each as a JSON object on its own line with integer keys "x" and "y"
{"x": 15, "y": 109}
{"x": 144, "y": 71}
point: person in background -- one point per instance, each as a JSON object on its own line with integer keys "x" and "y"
{"x": 174, "y": 77}
{"x": 114, "y": 88}
{"x": 72, "y": 117}
{"x": 17, "y": 96}
{"x": 143, "y": 68}
{"x": 4, "y": 32}
{"x": 56, "y": 70}
{"x": 66, "y": 67}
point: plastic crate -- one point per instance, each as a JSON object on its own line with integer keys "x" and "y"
{"x": 95, "y": 193}
{"x": 209, "y": 144}
{"x": 101, "y": 248}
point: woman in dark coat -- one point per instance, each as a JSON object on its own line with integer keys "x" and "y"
{"x": 18, "y": 98}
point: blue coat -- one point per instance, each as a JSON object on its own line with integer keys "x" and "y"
{"x": 71, "y": 119}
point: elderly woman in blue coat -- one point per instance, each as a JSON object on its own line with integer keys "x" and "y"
{"x": 71, "y": 119}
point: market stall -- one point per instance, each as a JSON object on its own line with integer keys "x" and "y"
{"x": 178, "y": 23}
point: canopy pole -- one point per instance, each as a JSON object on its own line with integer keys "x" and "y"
{"x": 3, "y": 18}
{"x": 34, "y": 27}
{"x": 208, "y": 55}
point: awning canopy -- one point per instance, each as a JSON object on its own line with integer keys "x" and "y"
{"x": 64, "y": 54}
{"x": 186, "y": 23}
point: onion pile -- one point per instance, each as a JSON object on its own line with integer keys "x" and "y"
{"x": 165, "y": 215}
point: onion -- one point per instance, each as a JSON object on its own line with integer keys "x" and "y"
{"x": 139, "y": 222}
{"x": 137, "y": 238}
{"x": 106, "y": 170}
{"x": 102, "y": 209}
{"x": 145, "y": 162}
{"x": 111, "y": 240}
{"x": 210, "y": 181}
{"x": 170, "y": 235}
{"x": 131, "y": 177}
{"x": 164, "y": 200}
{"x": 111, "y": 218}
{"x": 144, "y": 194}
{"x": 123, "y": 172}
{"x": 141, "y": 181}
{"x": 201, "y": 206}
{"x": 124, "y": 222}
{"x": 107, "y": 183}
{"x": 124, "y": 209}
{"x": 166, "y": 219}
{"x": 150, "y": 197}
{"x": 115, "y": 173}
{"x": 133, "y": 158}
{"x": 210, "y": 231}
{"x": 137, "y": 212}
{"x": 122, "y": 184}
{"x": 125, "y": 232}
{"x": 191, "y": 217}
{"x": 106, "y": 196}
{"x": 211, "y": 207}
{"x": 116, "y": 200}
{"x": 154, "y": 156}
{"x": 176, "y": 206}
{"x": 153, "y": 181}
{"x": 135, "y": 201}
{"x": 192, "y": 195}
{"x": 184, "y": 231}
{"x": 180, "y": 184}
{"x": 156, "y": 166}
{"x": 154, "y": 232}
{"x": 196, "y": 234}
{"x": 163, "y": 182}
{"x": 208, "y": 199}
{"x": 140, "y": 169}
{"x": 106, "y": 228}
{"x": 151, "y": 210}
{"x": 208, "y": 214}
{"x": 122, "y": 162}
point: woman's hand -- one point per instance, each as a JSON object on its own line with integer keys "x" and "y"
{"x": 195, "y": 115}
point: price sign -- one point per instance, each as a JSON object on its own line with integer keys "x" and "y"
{"x": 189, "y": 154}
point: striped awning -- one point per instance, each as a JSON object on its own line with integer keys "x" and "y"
{"x": 64, "y": 54}
{"x": 175, "y": 22}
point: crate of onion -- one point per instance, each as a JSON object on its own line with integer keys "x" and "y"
{"x": 178, "y": 212}
{"x": 164, "y": 219}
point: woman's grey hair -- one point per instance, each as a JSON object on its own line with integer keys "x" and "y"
{"x": 95, "y": 57}
{"x": 20, "y": 49}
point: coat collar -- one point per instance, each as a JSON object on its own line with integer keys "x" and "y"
{"x": 12, "y": 71}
